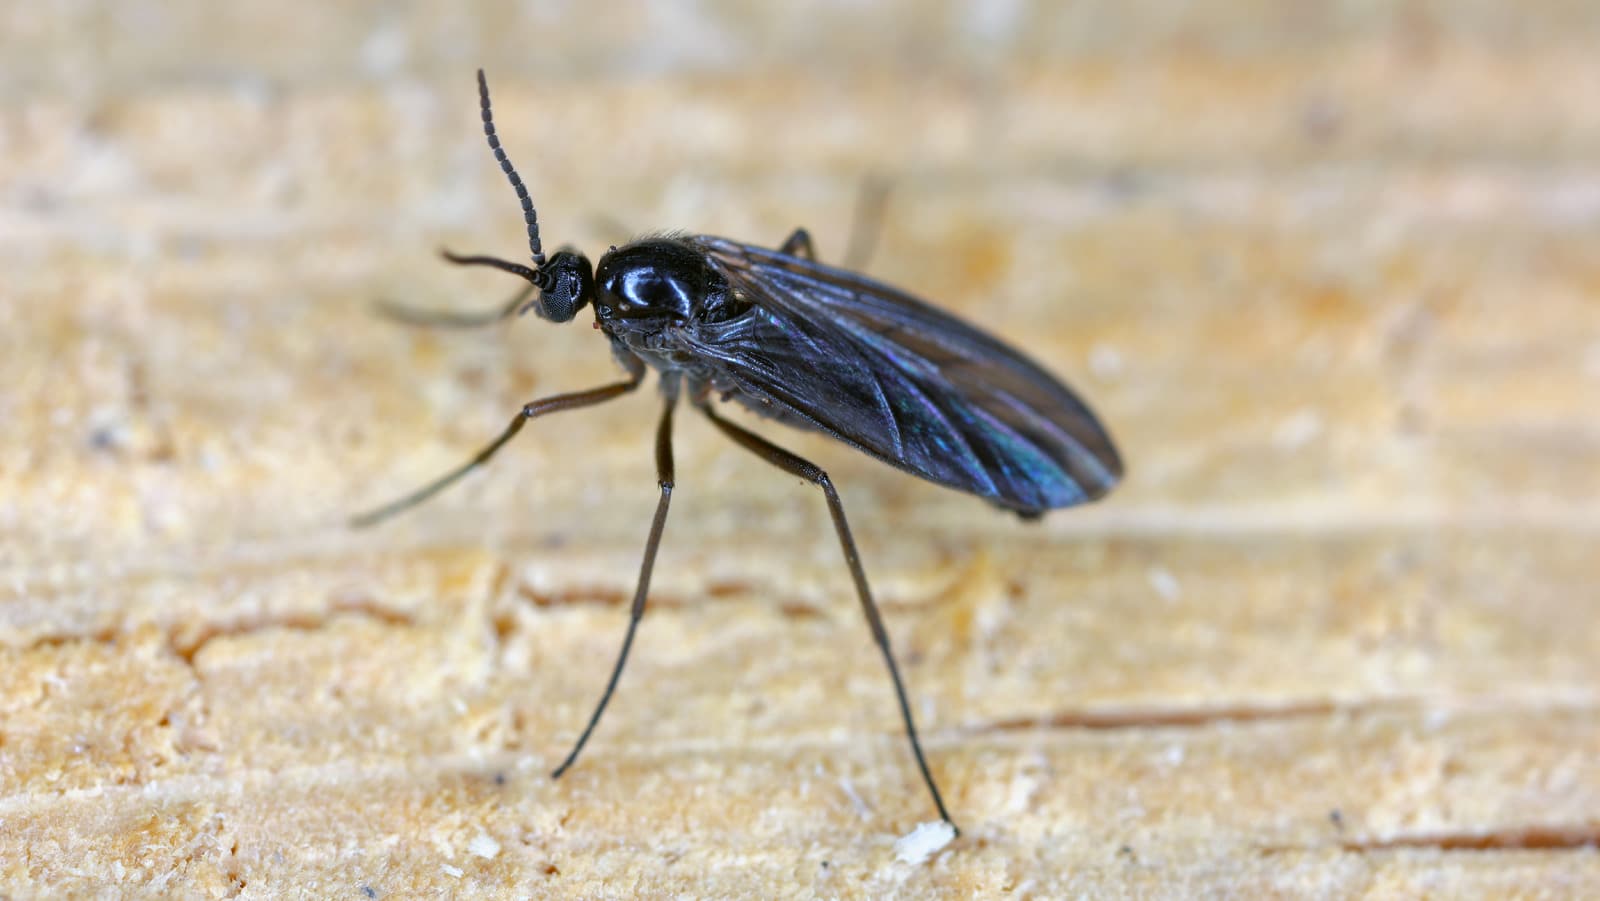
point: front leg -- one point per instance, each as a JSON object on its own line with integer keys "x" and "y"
{"x": 665, "y": 479}
{"x": 533, "y": 410}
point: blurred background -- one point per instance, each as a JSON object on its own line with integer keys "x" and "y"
{"x": 1328, "y": 271}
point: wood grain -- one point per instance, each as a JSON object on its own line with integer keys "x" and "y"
{"x": 1331, "y": 273}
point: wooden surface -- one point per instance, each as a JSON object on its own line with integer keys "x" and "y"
{"x": 1331, "y": 272}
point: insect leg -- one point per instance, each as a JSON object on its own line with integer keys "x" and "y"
{"x": 798, "y": 244}
{"x": 446, "y": 319}
{"x": 868, "y": 222}
{"x": 809, "y": 471}
{"x": 534, "y": 409}
{"x": 864, "y": 230}
{"x": 664, "y": 476}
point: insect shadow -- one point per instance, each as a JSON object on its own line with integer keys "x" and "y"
{"x": 811, "y": 346}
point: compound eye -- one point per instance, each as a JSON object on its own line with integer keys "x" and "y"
{"x": 570, "y": 284}
{"x": 557, "y": 306}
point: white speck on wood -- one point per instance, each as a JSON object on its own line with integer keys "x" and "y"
{"x": 1164, "y": 582}
{"x": 923, "y": 842}
{"x": 484, "y": 846}
{"x": 849, "y": 789}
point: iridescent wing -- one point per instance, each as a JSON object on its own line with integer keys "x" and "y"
{"x": 909, "y": 384}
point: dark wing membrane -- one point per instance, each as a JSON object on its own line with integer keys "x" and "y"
{"x": 902, "y": 381}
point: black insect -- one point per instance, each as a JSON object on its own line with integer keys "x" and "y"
{"x": 811, "y": 346}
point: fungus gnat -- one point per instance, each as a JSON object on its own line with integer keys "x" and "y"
{"x": 814, "y": 347}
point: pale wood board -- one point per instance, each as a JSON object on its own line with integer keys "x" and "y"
{"x": 1330, "y": 272}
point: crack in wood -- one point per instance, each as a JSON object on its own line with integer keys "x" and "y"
{"x": 104, "y": 635}
{"x": 616, "y": 596}
{"x": 1573, "y": 837}
{"x": 579, "y": 595}
{"x": 1551, "y": 837}
{"x": 1196, "y": 717}
{"x": 187, "y": 646}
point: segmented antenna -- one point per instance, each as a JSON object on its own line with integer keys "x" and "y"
{"x": 528, "y": 214}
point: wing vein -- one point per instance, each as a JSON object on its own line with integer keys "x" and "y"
{"x": 902, "y": 381}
